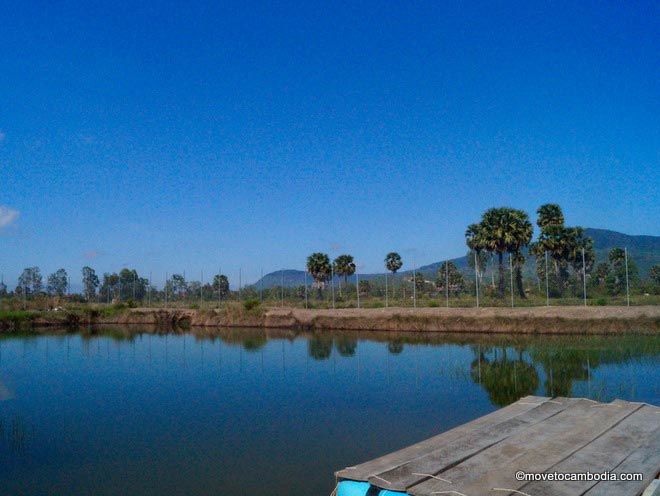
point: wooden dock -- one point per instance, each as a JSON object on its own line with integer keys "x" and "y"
{"x": 535, "y": 435}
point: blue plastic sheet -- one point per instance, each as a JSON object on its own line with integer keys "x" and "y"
{"x": 352, "y": 488}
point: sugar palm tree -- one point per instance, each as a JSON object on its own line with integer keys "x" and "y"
{"x": 393, "y": 263}
{"x": 475, "y": 244}
{"x": 522, "y": 235}
{"x": 549, "y": 214}
{"x": 344, "y": 266}
{"x": 318, "y": 265}
{"x": 501, "y": 230}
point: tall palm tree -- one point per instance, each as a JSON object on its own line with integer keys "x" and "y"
{"x": 318, "y": 265}
{"x": 522, "y": 236}
{"x": 549, "y": 214}
{"x": 344, "y": 266}
{"x": 501, "y": 230}
{"x": 578, "y": 242}
{"x": 393, "y": 263}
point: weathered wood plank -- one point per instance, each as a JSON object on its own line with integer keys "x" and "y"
{"x": 645, "y": 459}
{"x": 363, "y": 471}
{"x": 453, "y": 452}
{"x": 535, "y": 449}
{"x": 602, "y": 455}
{"x": 653, "y": 489}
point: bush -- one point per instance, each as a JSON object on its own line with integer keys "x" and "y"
{"x": 601, "y": 302}
{"x": 251, "y": 304}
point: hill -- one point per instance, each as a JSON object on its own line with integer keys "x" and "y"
{"x": 644, "y": 250}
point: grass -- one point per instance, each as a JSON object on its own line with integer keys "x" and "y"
{"x": 17, "y": 316}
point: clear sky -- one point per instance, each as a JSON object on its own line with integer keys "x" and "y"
{"x": 171, "y": 136}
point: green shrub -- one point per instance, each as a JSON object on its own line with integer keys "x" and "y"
{"x": 601, "y": 302}
{"x": 251, "y": 304}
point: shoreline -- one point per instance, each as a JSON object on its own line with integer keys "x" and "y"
{"x": 491, "y": 320}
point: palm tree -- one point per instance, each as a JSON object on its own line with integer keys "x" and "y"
{"x": 501, "y": 230}
{"x": 549, "y": 214}
{"x": 522, "y": 236}
{"x": 344, "y": 267}
{"x": 563, "y": 244}
{"x": 318, "y": 265}
{"x": 475, "y": 244}
{"x": 578, "y": 245}
{"x": 393, "y": 263}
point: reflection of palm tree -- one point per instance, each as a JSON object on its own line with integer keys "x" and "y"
{"x": 346, "y": 346}
{"x": 562, "y": 366}
{"x": 506, "y": 380}
{"x": 254, "y": 343}
{"x": 395, "y": 347}
{"x": 320, "y": 348}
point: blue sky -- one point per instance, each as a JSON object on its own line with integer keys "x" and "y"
{"x": 169, "y": 136}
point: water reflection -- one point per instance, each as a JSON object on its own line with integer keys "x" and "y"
{"x": 395, "y": 346}
{"x": 506, "y": 377}
{"x": 320, "y": 347}
{"x": 13, "y": 434}
{"x": 506, "y": 367}
{"x": 142, "y": 405}
{"x": 346, "y": 345}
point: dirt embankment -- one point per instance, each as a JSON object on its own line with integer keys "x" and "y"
{"x": 538, "y": 320}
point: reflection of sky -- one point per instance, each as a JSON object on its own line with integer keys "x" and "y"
{"x": 5, "y": 392}
{"x": 137, "y": 414}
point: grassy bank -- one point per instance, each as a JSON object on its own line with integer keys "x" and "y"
{"x": 537, "y": 320}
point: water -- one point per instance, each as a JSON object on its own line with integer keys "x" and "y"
{"x": 246, "y": 412}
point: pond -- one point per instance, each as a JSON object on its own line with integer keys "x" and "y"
{"x": 241, "y": 412}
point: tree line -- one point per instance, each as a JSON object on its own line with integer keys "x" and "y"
{"x": 564, "y": 259}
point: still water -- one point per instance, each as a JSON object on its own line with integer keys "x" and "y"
{"x": 245, "y": 412}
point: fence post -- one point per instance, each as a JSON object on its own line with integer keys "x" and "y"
{"x": 625, "y": 251}
{"x": 414, "y": 285}
{"x": 547, "y": 286}
{"x": 305, "y": 289}
{"x": 511, "y": 274}
{"x": 332, "y": 284}
{"x": 386, "y": 295}
{"x": 584, "y": 279}
{"x": 476, "y": 277}
{"x": 447, "y": 282}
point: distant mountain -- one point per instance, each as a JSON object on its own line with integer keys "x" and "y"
{"x": 644, "y": 250}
